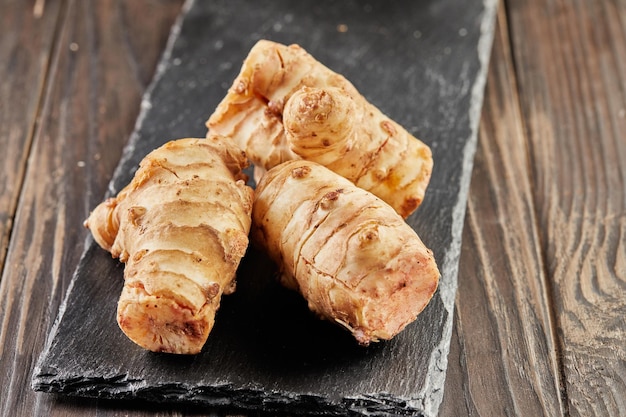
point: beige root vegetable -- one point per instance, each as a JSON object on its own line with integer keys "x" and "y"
{"x": 345, "y": 135}
{"x": 181, "y": 227}
{"x": 353, "y": 258}
{"x": 286, "y": 105}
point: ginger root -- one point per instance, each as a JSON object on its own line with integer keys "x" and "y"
{"x": 353, "y": 258}
{"x": 286, "y": 105}
{"x": 181, "y": 227}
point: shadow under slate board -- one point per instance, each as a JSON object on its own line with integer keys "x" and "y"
{"x": 423, "y": 63}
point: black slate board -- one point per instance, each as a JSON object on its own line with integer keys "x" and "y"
{"x": 423, "y": 63}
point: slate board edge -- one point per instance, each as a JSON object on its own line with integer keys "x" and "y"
{"x": 226, "y": 398}
{"x": 432, "y": 398}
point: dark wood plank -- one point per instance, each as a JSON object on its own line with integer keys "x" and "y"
{"x": 428, "y": 63}
{"x": 105, "y": 54}
{"x": 573, "y": 102}
{"x": 26, "y": 43}
{"x": 503, "y": 357}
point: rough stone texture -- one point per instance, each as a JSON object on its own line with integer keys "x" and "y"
{"x": 423, "y": 63}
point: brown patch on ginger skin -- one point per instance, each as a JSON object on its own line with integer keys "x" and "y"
{"x": 276, "y": 107}
{"x": 135, "y": 214}
{"x": 388, "y": 127}
{"x": 213, "y": 290}
{"x": 368, "y": 236}
{"x": 409, "y": 206}
{"x": 300, "y": 172}
{"x": 329, "y": 199}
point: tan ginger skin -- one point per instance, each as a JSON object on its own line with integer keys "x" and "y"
{"x": 352, "y": 257}
{"x": 181, "y": 227}
{"x": 286, "y": 105}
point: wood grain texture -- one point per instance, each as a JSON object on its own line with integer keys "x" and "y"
{"x": 99, "y": 69}
{"x": 26, "y": 45}
{"x": 572, "y": 91}
{"x": 503, "y": 321}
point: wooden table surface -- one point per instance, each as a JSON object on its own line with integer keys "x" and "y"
{"x": 540, "y": 312}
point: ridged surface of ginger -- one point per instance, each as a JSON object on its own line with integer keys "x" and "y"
{"x": 181, "y": 227}
{"x": 353, "y": 258}
{"x": 286, "y": 105}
